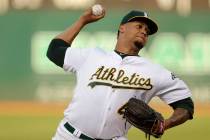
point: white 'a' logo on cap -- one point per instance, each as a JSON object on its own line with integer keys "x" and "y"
{"x": 145, "y": 14}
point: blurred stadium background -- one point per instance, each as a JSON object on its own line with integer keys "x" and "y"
{"x": 34, "y": 92}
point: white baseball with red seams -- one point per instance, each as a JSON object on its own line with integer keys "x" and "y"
{"x": 97, "y": 10}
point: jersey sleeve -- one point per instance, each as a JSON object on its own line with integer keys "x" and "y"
{"x": 172, "y": 89}
{"x": 74, "y": 58}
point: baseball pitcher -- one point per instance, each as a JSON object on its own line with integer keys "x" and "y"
{"x": 114, "y": 88}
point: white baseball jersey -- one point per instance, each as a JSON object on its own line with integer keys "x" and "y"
{"x": 105, "y": 82}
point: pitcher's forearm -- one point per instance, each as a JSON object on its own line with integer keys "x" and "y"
{"x": 178, "y": 117}
{"x": 70, "y": 33}
{"x": 87, "y": 17}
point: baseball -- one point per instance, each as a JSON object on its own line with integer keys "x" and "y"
{"x": 97, "y": 10}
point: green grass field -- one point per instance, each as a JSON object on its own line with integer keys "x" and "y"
{"x": 42, "y": 128}
{"x": 31, "y": 126}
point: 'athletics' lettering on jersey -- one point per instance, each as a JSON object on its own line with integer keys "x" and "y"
{"x": 117, "y": 79}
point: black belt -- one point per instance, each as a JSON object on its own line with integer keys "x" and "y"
{"x": 71, "y": 129}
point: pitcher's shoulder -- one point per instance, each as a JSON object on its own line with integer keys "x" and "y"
{"x": 152, "y": 65}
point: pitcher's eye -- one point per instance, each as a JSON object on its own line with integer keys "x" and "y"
{"x": 139, "y": 26}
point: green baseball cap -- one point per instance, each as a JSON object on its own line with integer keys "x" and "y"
{"x": 135, "y": 15}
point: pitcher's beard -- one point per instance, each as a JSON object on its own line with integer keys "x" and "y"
{"x": 138, "y": 44}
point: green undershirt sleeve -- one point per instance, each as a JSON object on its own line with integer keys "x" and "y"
{"x": 186, "y": 104}
{"x": 56, "y": 51}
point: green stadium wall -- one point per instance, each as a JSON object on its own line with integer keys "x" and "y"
{"x": 25, "y": 35}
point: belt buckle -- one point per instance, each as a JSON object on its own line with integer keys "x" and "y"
{"x": 77, "y": 133}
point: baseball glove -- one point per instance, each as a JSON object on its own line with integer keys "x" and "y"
{"x": 142, "y": 116}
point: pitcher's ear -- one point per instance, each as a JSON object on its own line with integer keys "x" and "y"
{"x": 122, "y": 28}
